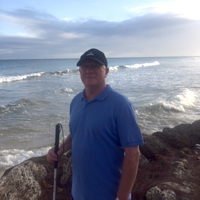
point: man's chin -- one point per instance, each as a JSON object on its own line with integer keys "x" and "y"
{"x": 90, "y": 83}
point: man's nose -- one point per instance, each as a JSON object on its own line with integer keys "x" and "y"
{"x": 89, "y": 68}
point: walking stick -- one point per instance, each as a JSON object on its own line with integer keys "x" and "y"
{"x": 58, "y": 128}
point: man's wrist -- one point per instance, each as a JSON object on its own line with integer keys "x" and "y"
{"x": 117, "y": 198}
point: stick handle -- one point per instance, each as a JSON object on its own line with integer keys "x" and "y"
{"x": 57, "y": 132}
{"x": 56, "y": 142}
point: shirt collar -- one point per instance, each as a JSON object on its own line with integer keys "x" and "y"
{"x": 99, "y": 97}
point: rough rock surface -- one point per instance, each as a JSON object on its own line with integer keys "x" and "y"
{"x": 34, "y": 179}
{"x": 173, "y": 171}
{"x": 169, "y": 170}
{"x": 22, "y": 182}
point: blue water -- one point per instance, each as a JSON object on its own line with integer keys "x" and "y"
{"x": 35, "y": 95}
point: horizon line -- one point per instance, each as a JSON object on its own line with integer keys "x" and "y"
{"x": 107, "y": 58}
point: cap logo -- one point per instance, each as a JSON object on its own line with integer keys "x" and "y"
{"x": 90, "y": 54}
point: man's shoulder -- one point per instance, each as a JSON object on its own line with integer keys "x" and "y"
{"x": 77, "y": 97}
{"x": 118, "y": 96}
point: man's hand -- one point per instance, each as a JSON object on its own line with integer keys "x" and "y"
{"x": 66, "y": 146}
{"x": 51, "y": 156}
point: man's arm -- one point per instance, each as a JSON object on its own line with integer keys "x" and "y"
{"x": 129, "y": 172}
{"x": 66, "y": 146}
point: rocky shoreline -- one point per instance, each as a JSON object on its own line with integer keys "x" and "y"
{"x": 169, "y": 170}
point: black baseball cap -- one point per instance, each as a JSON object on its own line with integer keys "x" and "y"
{"x": 93, "y": 54}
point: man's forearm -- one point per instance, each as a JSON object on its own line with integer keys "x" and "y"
{"x": 67, "y": 145}
{"x": 129, "y": 172}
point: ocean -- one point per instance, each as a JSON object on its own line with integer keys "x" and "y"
{"x": 35, "y": 95}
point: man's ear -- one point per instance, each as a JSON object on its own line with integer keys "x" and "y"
{"x": 107, "y": 71}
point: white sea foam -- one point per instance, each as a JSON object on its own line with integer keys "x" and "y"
{"x": 65, "y": 90}
{"x": 181, "y": 101}
{"x": 68, "y": 90}
{"x": 114, "y": 68}
{"x": 7, "y": 79}
{"x": 15, "y": 106}
{"x": 12, "y": 157}
{"x": 19, "y": 78}
{"x": 135, "y": 66}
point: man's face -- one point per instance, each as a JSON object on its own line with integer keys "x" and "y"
{"x": 93, "y": 73}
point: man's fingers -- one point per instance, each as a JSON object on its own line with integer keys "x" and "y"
{"x": 51, "y": 156}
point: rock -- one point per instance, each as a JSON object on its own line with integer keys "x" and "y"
{"x": 67, "y": 169}
{"x": 33, "y": 180}
{"x": 186, "y": 188}
{"x": 184, "y": 152}
{"x": 168, "y": 169}
{"x": 188, "y": 151}
{"x": 197, "y": 146}
{"x": 168, "y": 195}
{"x": 174, "y": 164}
{"x": 177, "y": 142}
{"x": 22, "y": 182}
{"x": 156, "y": 193}
{"x": 183, "y": 135}
{"x": 143, "y": 160}
{"x": 64, "y": 179}
{"x": 172, "y": 140}
{"x": 180, "y": 154}
{"x": 152, "y": 147}
{"x": 181, "y": 169}
{"x": 166, "y": 191}
{"x": 198, "y": 157}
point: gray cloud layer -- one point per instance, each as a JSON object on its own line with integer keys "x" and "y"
{"x": 147, "y": 35}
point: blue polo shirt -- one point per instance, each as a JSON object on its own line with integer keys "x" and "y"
{"x": 100, "y": 129}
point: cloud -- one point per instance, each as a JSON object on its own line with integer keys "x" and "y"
{"x": 45, "y": 36}
{"x": 180, "y": 8}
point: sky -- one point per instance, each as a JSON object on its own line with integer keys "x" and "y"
{"x": 120, "y": 28}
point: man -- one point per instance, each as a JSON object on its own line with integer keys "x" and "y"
{"x": 104, "y": 136}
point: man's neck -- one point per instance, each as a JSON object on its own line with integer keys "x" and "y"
{"x": 92, "y": 92}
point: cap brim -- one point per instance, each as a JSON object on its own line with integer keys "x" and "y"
{"x": 80, "y": 62}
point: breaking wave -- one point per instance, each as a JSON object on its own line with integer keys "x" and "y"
{"x": 7, "y": 79}
{"x": 19, "y": 78}
{"x": 61, "y": 73}
{"x": 134, "y": 66}
{"x": 12, "y": 157}
{"x": 180, "y": 103}
{"x": 12, "y": 107}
